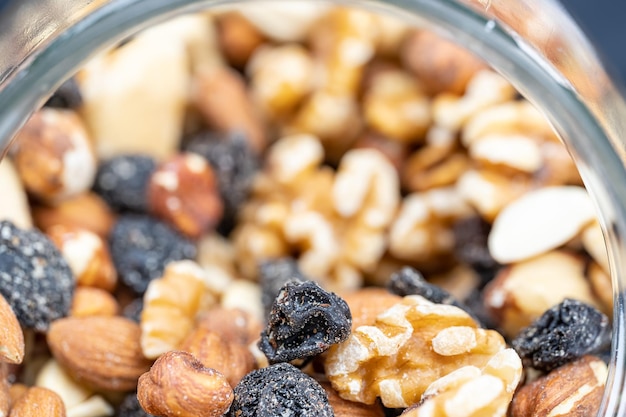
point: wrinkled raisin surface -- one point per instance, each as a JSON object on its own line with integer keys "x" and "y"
{"x": 279, "y": 390}
{"x": 35, "y": 279}
{"x": 142, "y": 246}
{"x": 67, "y": 96}
{"x": 122, "y": 182}
{"x": 273, "y": 275}
{"x": 234, "y": 164}
{"x": 130, "y": 407}
{"x": 305, "y": 321}
{"x": 470, "y": 247}
{"x": 562, "y": 334}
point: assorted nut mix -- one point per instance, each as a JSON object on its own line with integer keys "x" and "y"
{"x": 297, "y": 210}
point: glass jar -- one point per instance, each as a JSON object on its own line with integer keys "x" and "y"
{"x": 533, "y": 43}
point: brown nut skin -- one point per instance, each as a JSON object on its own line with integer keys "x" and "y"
{"x": 183, "y": 191}
{"x": 101, "y": 352}
{"x": 238, "y": 38}
{"x": 233, "y": 325}
{"x": 573, "y": 390}
{"x": 54, "y": 155}
{"x": 37, "y": 401}
{"x": 345, "y": 408}
{"x": 90, "y": 301}
{"x": 87, "y": 210}
{"x": 439, "y": 64}
{"x": 11, "y": 335}
{"x": 87, "y": 254}
{"x": 179, "y": 386}
{"x": 233, "y": 360}
{"x": 367, "y": 303}
{"x": 394, "y": 151}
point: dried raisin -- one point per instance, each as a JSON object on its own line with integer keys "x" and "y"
{"x": 35, "y": 279}
{"x": 273, "y": 275}
{"x": 279, "y": 390}
{"x": 130, "y": 407}
{"x": 470, "y": 246}
{"x": 305, "y": 321}
{"x": 562, "y": 334}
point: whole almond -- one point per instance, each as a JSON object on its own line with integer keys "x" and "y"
{"x": 38, "y": 402}
{"x": 102, "y": 352}
{"x": 11, "y": 335}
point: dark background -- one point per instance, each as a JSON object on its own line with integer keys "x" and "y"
{"x": 604, "y": 21}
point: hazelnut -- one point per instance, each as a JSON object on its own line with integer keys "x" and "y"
{"x": 238, "y": 38}
{"x": 87, "y": 255}
{"x": 93, "y": 302}
{"x": 54, "y": 156}
{"x": 178, "y": 385}
{"x": 183, "y": 191}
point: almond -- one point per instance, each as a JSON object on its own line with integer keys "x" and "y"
{"x": 38, "y": 402}
{"x": 11, "y": 335}
{"x": 102, "y": 352}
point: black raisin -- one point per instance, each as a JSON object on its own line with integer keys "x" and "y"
{"x": 273, "y": 275}
{"x": 305, "y": 321}
{"x": 408, "y": 281}
{"x": 279, "y": 390}
{"x": 142, "y": 246}
{"x": 130, "y": 407}
{"x": 34, "y": 278}
{"x": 562, "y": 334}
{"x": 235, "y": 163}
{"x": 122, "y": 182}
{"x": 470, "y": 247}
{"x": 67, "y": 96}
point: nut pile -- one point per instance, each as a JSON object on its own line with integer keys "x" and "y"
{"x": 307, "y": 210}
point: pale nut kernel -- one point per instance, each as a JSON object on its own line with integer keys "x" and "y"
{"x": 54, "y": 155}
{"x": 233, "y": 360}
{"x": 486, "y": 88}
{"x": 460, "y": 281}
{"x": 284, "y": 22}
{"x": 101, "y": 352}
{"x": 238, "y": 38}
{"x": 523, "y": 291}
{"x": 395, "y": 106}
{"x": 214, "y": 251}
{"x": 489, "y": 191}
{"x": 366, "y": 187}
{"x": 178, "y": 385}
{"x": 372, "y": 362}
{"x": 11, "y": 335}
{"x": 221, "y": 96}
{"x": 87, "y": 254}
{"x": 395, "y": 152}
{"x": 15, "y": 207}
{"x": 120, "y": 88}
{"x": 514, "y": 151}
{"x": 87, "y": 211}
{"x": 280, "y": 78}
{"x": 90, "y": 301}
{"x": 432, "y": 167}
{"x": 506, "y": 118}
{"x": 37, "y": 401}
{"x": 254, "y": 243}
{"x": 293, "y": 157}
{"x": 470, "y": 391}
{"x": 438, "y": 63}
{"x": 53, "y": 377}
{"x": 602, "y": 287}
{"x": 183, "y": 191}
{"x": 539, "y": 221}
{"x": 593, "y": 242}
{"x": 575, "y": 389}
{"x": 171, "y": 304}
{"x": 421, "y": 228}
{"x": 244, "y": 295}
{"x": 96, "y": 406}
{"x": 345, "y": 408}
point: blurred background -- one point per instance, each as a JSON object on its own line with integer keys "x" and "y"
{"x": 604, "y": 21}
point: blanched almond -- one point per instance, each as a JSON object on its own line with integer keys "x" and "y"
{"x": 539, "y": 221}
